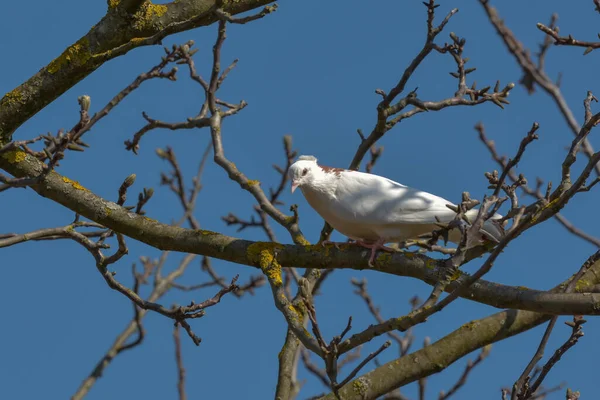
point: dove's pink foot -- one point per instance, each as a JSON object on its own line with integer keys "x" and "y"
{"x": 378, "y": 245}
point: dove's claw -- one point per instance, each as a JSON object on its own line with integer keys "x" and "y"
{"x": 378, "y": 245}
{"x": 372, "y": 258}
{"x": 335, "y": 244}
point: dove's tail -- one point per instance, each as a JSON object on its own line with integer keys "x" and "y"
{"x": 492, "y": 229}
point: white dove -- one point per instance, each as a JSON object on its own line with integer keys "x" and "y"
{"x": 373, "y": 210}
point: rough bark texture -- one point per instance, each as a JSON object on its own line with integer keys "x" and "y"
{"x": 439, "y": 355}
{"x": 133, "y": 23}
{"x": 262, "y": 255}
{"x": 126, "y": 25}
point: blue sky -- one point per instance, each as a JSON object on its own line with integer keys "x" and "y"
{"x": 309, "y": 70}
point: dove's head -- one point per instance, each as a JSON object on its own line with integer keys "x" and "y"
{"x": 303, "y": 171}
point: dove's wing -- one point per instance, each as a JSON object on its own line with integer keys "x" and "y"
{"x": 373, "y": 199}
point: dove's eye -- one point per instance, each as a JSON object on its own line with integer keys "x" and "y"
{"x": 304, "y": 171}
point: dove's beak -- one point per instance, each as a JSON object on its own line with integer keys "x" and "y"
{"x": 294, "y": 185}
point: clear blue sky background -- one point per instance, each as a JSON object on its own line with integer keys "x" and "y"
{"x": 309, "y": 70}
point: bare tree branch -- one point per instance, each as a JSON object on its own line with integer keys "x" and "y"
{"x": 389, "y": 113}
{"x": 521, "y": 389}
{"x": 568, "y": 40}
{"x": 179, "y": 362}
{"x": 465, "y": 375}
{"x": 112, "y": 222}
{"x": 161, "y": 287}
{"x": 536, "y": 74}
{"x": 405, "y": 342}
{"x": 114, "y": 35}
{"x": 501, "y": 160}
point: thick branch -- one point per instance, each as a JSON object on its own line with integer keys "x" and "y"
{"x": 74, "y": 196}
{"x": 118, "y": 32}
{"x": 439, "y": 355}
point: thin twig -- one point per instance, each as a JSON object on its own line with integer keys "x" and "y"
{"x": 179, "y": 362}
{"x": 471, "y": 364}
{"x": 568, "y": 40}
{"x": 521, "y": 389}
{"x": 371, "y": 356}
{"x": 535, "y": 74}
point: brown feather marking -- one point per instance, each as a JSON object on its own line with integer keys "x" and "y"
{"x": 332, "y": 170}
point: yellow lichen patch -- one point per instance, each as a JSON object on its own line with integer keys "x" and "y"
{"x": 15, "y": 156}
{"x": 551, "y": 204}
{"x": 308, "y": 247}
{"x": 136, "y": 40}
{"x": 295, "y": 311}
{"x": 146, "y": 13}
{"x": 150, "y": 219}
{"x": 253, "y": 182}
{"x": 12, "y": 97}
{"x": 204, "y": 232}
{"x": 470, "y": 325}
{"x": 75, "y": 184}
{"x": 522, "y": 288}
{"x": 273, "y": 272}
{"x": 581, "y": 285}
{"x": 256, "y": 250}
{"x": 360, "y": 386}
{"x": 302, "y": 241}
{"x": 113, "y": 3}
{"x": 430, "y": 263}
{"x": 383, "y": 258}
{"x": 537, "y": 215}
{"x": 77, "y": 54}
{"x": 301, "y": 308}
{"x": 457, "y": 274}
{"x": 263, "y": 254}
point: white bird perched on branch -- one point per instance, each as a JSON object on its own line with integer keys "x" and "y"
{"x": 373, "y": 210}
